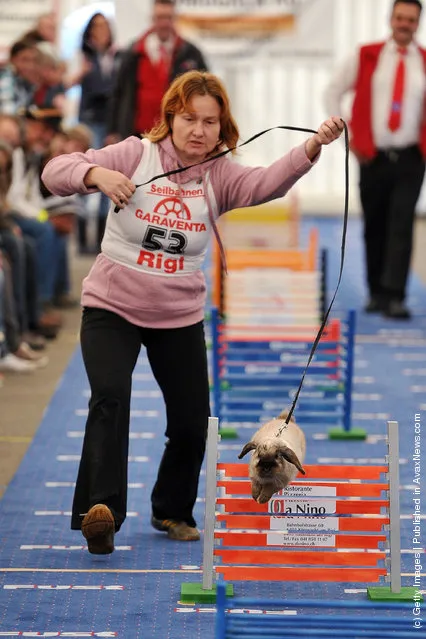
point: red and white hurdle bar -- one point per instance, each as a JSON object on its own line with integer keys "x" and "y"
{"x": 362, "y": 512}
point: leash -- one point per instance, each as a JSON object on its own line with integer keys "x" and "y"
{"x": 343, "y": 243}
{"x": 342, "y": 261}
{"x": 219, "y": 155}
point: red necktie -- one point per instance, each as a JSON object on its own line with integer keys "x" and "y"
{"x": 398, "y": 92}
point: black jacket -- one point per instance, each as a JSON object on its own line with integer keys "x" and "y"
{"x": 122, "y": 107}
{"x": 96, "y": 90}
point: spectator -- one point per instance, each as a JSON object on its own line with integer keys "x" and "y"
{"x": 63, "y": 211}
{"x": 18, "y": 78}
{"x": 147, "y": 69}
{"x": 96, "y": 76}
{"x": 50, "y": 92}
{"x": 79, "y": 139}
{"x": 31, "y": 217}
{"x": 45, "y": 29}
{"x": 18, "y": 357}
{"x": 388, "y": 131}
{"x": 21, "y": 252}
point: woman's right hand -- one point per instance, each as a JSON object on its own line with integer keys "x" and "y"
{"x": 114, "y": 184}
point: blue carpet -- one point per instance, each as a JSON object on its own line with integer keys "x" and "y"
{"x": 51, "y": 586}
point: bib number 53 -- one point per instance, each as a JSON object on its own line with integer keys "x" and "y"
{"x": 159, "y": 239}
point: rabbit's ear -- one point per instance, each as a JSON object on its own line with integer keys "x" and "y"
{"x": 291, "y": 457}
{"x": 247, "y": 448}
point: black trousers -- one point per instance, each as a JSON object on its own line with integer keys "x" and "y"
{"x": 178, "y": 360}
{"x": 389, "y": 189}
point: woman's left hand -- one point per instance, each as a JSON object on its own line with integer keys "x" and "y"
{"x": 329, "y": 131}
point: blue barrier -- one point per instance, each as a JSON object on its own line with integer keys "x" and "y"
{"x": 267, "y": 619}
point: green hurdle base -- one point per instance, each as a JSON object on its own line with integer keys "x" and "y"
{"x": 228, "y": 432}
{"x": 384, "y": 593}
{"x": 195, "y": 593}
{"x": 353, "y": 434}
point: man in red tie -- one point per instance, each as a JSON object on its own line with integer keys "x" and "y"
{"x": 388, "y": 138}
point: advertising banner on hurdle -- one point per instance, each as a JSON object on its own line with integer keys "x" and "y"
{"x": 280, "y": 539}
{"x": 314, "y": 524}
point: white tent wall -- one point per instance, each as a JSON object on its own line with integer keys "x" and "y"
{"x": 284, "y": 89}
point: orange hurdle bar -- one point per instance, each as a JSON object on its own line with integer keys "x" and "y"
{"x": 339, "y": 541}
{"x": 293, "y": 259}
{"x": 348, "y": 575}
{"x": 235, "y": 487}
{"x": 356, "y": 507}
{"x": 304, "y": 558}
{"x": 314, "y": 471}
{"x": 332, "y": 333}
{"x": 263, "y": 522}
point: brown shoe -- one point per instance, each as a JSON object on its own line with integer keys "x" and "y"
{"x": 49, "y": 323}
{"x": 178, "y": 530}
{"x": 98, "y": 528}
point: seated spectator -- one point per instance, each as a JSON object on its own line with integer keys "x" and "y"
{"x": 19, "y": 77}
{"x": 64, "y": 211}
{"x": 29, "y": 215}
{"x": 50, "y": 92}
{"x": 73, "y": 139}
{"x": 79, "y": 139}
{"x": 21, "y": 253}
{"x": 17, "y": 355}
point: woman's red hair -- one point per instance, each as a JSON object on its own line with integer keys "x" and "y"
{"x": 178, "y": 97}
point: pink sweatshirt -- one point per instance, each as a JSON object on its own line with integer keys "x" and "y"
{"x": 164, "y": 301}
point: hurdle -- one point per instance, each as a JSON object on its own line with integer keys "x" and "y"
{"x": 284, "y": 285}
{"x": 293, "y": 259}
{"x": 232, "y": 620}
{"x": 245, "y": 227}
{"x": 254, "y": 376}
{"x": 296, "y": 259}
{"x": 331, "y": 521}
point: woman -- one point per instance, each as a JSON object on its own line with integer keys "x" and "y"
{"x": 147, "y": 287}
{"x": 96, "y": 77}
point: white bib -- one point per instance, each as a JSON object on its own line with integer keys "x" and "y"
{"x": 165, "y": 229}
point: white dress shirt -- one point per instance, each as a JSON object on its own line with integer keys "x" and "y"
{"x": 382, "y": 90}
